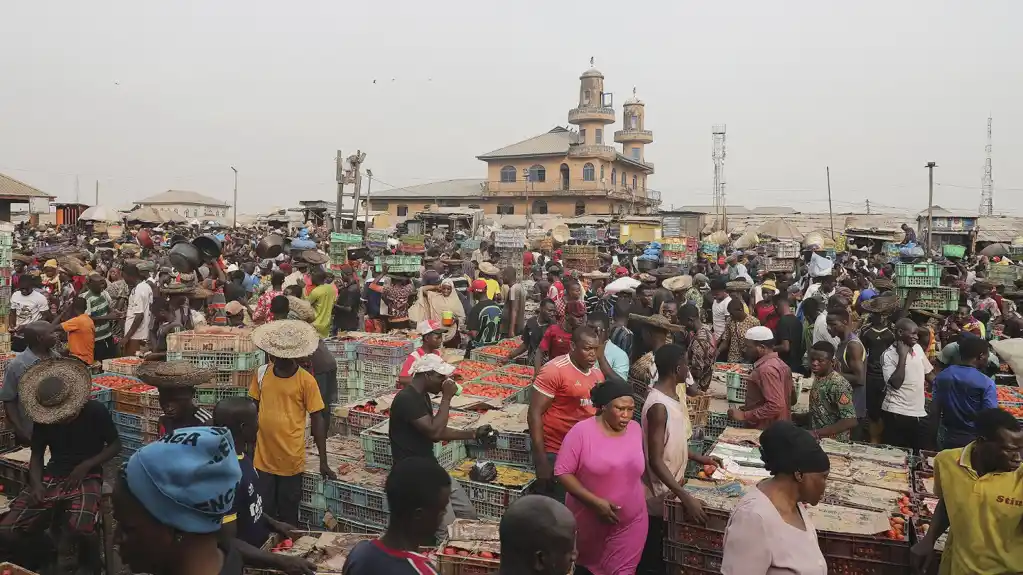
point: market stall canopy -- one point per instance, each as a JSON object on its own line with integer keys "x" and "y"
{"x": 172, "y": 218}
{"x": 995, "y": 250}
{"x": 779, "y": 229}
{"x": 101, "y": 214}
{"x": 144, "y": 216}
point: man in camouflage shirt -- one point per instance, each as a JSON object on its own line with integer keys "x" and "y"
{"x": 832, "y": 413}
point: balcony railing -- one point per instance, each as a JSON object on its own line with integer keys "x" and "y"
{"x": 574, "y": 187}
{"x": 592, "y": 151}
{"x": 595, "y": 113}
{"x": 643, "y": 136}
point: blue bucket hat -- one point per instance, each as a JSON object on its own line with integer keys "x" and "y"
{"x": 187, "y": 479}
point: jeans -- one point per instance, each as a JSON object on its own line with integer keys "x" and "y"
{"x": 281, "y": 496}
{"x": 459, "y": 507}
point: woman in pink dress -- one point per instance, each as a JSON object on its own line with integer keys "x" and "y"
{"x": 601, "y": 466}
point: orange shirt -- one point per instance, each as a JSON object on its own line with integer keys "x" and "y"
{"x": 569, "y": 387}
{"x": 81, "y": 337}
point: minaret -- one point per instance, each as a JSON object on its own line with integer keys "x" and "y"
{"x": 591, "y": 115}
{"x": 633, "y": 136}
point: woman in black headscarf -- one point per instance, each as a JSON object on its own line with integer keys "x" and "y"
{"x": 601, "y": 465}
{"x": 769, "y": 531}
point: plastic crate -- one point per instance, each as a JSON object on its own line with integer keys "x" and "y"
{"x": 128, "y": 420}
{"x": 688, "y": 557}
{"x": 341, "y": 345}
{"x": 932, "y": 299}
{"x": 736, "y": 386}
{"x": 384, "y": 369}
{"x": 376, "y": 448}
{"x": 342, "y": 238}
{"x": 775, "y": 264}
{"x": 104, "y": 395}
{"x": 708, "y": 537}
{"x": 221, "y": 361}
{"x": 210, "y": 342}
{"x": 129, "y": 441}
{"x": 128, "y": 408}
{"x": 385, "y": 355}
{"x": 149, "y": 398}
{"x": 495, "y": 498}
{"x": 211, "y": 395}
{"x": 514, "y": 441}
{"x": 953, "y": 251}
{"x": 7, "y": 440}
{"x": 343, "y": 492}
{"x": 879, "y": 549}
{"x": 498, "y": 455}
{"x": 309, "y": 516}
{"x": 923, "y": 275}
{"x": 1002, "y": 275}
{"x": 233, "y": 378}
{"x": 374, "y": 518}
{"x": 359, "y": 421}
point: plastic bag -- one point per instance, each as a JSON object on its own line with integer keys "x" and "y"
{"x": 624, "y": 283}
{"x": 820, "y": 266}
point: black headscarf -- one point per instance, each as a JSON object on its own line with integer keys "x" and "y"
{"x": 787, "y": 449}
{"x": 604, "y": 393}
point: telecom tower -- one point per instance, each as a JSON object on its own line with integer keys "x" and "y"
{"x": 987, "y": 189}
{"x": 718, "y": 155}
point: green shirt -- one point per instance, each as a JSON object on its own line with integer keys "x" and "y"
{"x": 830, "y": 402}
{"x": 96, "y": 306}
{"x": 322, "y": 299}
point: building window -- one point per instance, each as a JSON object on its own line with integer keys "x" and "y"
{"x": 582, "y": 136}
{"x": 613, "y": 176}
{"x": 633, "y": 182}
{"x": 644, "y": 182}
{"x": 537, "y": 173}
{"x": 580, "y": 208}
{"x": 635, "y": 153}
{"x": 426, "y": 206}
{"x": 474, "y": 206}
{"x": 586, "y": 97}
{"x": 588, "y": 172}
{"x": 402, "y": 211}
{"x": 539, "y": 207}
{"x": 449, "y": 203}
{"x": 379, "y": 205}
{"x": 634, "y": 122}
{"x": 505, "y": 209}
{"x": 624, "y": 180}
{"x": 602, "y": 172}
{"x": 600, "y": 136}
{"x": 508, "y": 174}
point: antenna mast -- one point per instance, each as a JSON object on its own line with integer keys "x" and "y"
{"x": 718, "y": 155}
{"x": 987, "y": 190}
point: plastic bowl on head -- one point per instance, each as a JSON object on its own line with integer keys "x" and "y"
{"x": 209, "y": 246}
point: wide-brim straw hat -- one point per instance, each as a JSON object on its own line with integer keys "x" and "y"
{"x": 738, "y": 285}
{"x": 678, "y": 283}
{"x": 171, "y": 374}
{"x": 75, "y": 385}
{"x": 597, "y": 275}
{"x": 22, "y": 258}
{"x": 199, "y": 292}
{"x": 314, "y": 257}
{"x": 882, "y": 284}
{"x": 489, "y": 269}
{"x": 881, "y": 304}
{"x": 286, "y": 338}
{"x": 177, "y": 288}
{"x": 656, "y": 320}
{"x": 300, "y": 309}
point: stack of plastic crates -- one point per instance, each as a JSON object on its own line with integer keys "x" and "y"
{"x": 398, "y": 263}
{"x": 357, "y": 497}
{"x": 377, "y": 239}
{"x": 379, "y": 361}
{"x": 122, "y": 365}
{"x": 491, "y": 500}
{"x": 470, "y": 548}
{"x": 581, "y": 258}
{"x": 136, "y": 414}
{"x": 690, "y": 547}
{"x": 345, "y": 352}
{"x": 6, "y": 259}
{"x": 376, "y": 448}
{"x": 339, "y": 245}
{"x": 497, "y": 353}
{"x": 511, "y": 448}
{"x": 233, "y": 356}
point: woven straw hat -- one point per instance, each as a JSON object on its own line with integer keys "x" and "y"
{"x": 678, "y": 283}
{"x": 656, "y": 320}
{"x": 314, "y": 257}
{"x": 55, "y": 390}
{"x": 286, "y": 338}
{"x": 200, "y": 292}
{"x": 882, "y": 284}
{"x": 171, "y": 374}
{"x": 300, "y": 309}
{"x": 881, "y": 304}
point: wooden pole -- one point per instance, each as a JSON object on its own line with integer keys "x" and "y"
{"x": 831, "y": 213}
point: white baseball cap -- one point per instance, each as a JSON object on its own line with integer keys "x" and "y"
{"x": 759, "y": 333}
{"x": 426, "y": 327}
{"x": 431, "y": 362}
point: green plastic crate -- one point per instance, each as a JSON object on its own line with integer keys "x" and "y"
{"x": 953, "y": 251}
{"x": 922, "y": 275}
{"x": 931, "y": 299}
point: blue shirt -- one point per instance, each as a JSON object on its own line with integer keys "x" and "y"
{"x": 960, "y": 392}
{"x": 618, "y": 359}
{"x": 251, "y": 282}
{"x": 866, "y": 294}
{"x": 248, "y": 507}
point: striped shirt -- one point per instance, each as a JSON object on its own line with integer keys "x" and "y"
{"x": 97, "y": 305}
{"x": 375, "y": 558}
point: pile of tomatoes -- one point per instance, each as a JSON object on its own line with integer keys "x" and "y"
{"x": 127, "y": 361}
{"x": 1008, "y": 394}
{"x": 471, "y": 369}
{"x": 898, "y": 528}
{"x": 377, "y": 342}
{"x": 115, "y": 381}
{"x": 283, "y": 546}
{"x": 707, "y": 471}
{"x": 500, "y": 379}
{"x": 369, "y": 407}
{"x": 463, "y": 553}
{"x": 522, "y": 370}
{"x": 497, "y": 350}
{"x": 491, "y": 391}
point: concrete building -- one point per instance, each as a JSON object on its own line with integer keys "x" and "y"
{"x": 567, "y": 172}
{"x": 189, "y": 205}
{"x": 16, "y": 192}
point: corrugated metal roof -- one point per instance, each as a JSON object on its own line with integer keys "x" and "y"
{"x": 183, "y": 197}
{"x": 940, "y": 212}
{"x": 13, "y": 189}
{"x": 462, "y": 188}
{"x": 1002, "y": 229}
{"x": 555, "y": 142}
{"x": 739, "y": 210}
{"x": 807, "y": 223}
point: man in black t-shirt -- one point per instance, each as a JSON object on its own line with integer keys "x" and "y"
{"x": 246, "y": 526}
{"x": 80, "y": 436}
{"x": 532, "y": 335}
{"x": 414, "y": 427}
{"x": 788, "y": 334}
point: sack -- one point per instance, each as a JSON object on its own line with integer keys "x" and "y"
{"x": 820, "y": 266}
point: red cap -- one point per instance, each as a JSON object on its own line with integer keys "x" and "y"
{"x": 478, "y": 286}
{"x": 622, "y": 271}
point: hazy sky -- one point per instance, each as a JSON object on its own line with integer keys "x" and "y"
{"x": 146, "y": 95}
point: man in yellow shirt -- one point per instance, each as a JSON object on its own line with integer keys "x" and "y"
{"x": 322, "y": 298}
{"x": 981, "y": 502}
{"x": 287, "y": 397}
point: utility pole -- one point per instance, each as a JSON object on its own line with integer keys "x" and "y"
{"x": 97, "y": 193}
{"x": 930, "y": 203}
{"x": 369, "y": 189}
{"x": 987, "y": 190}
{"x": 831, "y": 214}
{"x": 235, "y": 210}
{"x": 718, "y": 154}
{"x": 340, "y": 177}
{"x": 868, "y": 207}
{"x": 355, "y": 165}
{"x": 76, "y": 189}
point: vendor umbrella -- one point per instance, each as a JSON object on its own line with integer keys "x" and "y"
{"x": 101, "y": 214}
{"x": 144, "y": 216}
{"x": 995, "y": 250}
{"x": 780, "y": 229}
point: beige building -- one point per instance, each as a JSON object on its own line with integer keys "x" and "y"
{"x": 189, "y": 205}
{"x": 568, "y": 172}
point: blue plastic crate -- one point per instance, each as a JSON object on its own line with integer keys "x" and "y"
{"x": 373, "y": 518}
{"x": 127, "y": 420}
{"x": 344, "y": 492}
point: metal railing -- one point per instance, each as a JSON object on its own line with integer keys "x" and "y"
{"x": 634, "y": 136}
{"x": 592, "y": 150}
{"x": 591, "y": 113}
